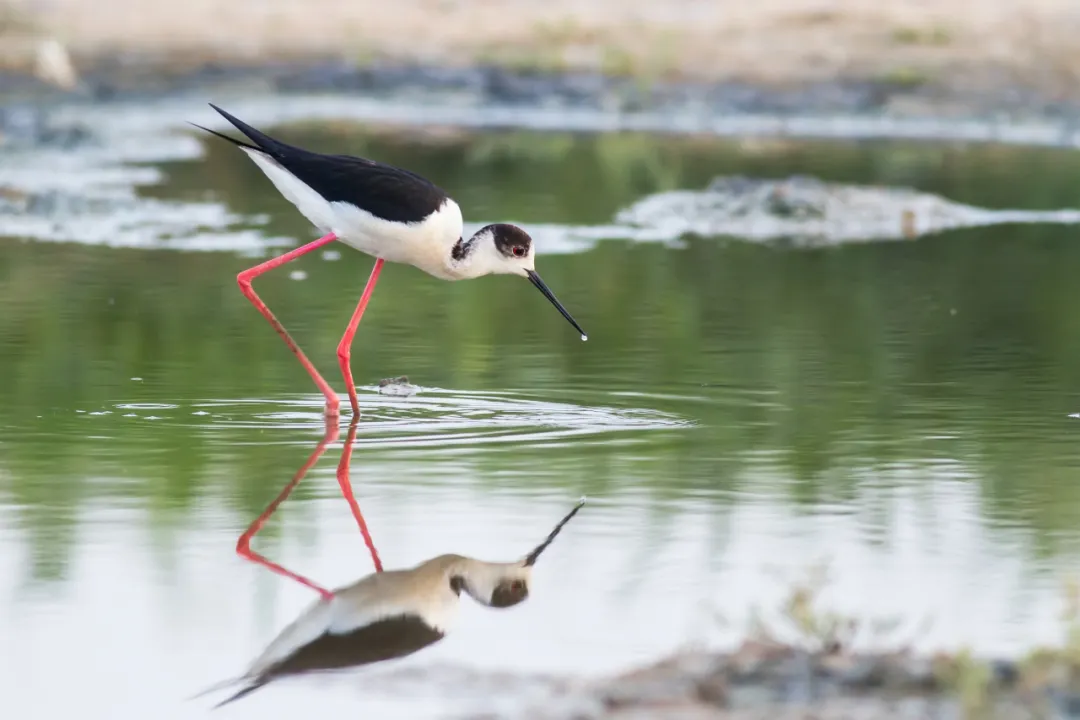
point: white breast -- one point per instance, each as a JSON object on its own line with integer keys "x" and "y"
{"x": 426, "y": 244}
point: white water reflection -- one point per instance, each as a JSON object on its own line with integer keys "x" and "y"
{"x": 633, "y": 578}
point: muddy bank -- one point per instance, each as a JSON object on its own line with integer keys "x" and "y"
{"x": 838, "y": 68}
{"x": 766, "y": 679}
{"x": 486, "y": 96}
{"x": 805, "y": 662}
{"x": 119, "y": 78}
{"x": 944, "y": 57}
{"x": 688, "y": 66}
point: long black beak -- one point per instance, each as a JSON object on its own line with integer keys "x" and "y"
{"x": 535, "y": 279}
{"x": 531, "y": 557}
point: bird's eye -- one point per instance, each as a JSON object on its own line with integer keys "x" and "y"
{"x": 519, "y": 251}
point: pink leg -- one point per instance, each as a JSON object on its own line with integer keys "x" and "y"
{"x": 243, "y": 545}
{"x": 344, "y": 348}
{"x": 346, "y": 490}
{"x": 244, "y": 280}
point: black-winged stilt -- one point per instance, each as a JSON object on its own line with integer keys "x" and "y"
{"x": 388, "y": 615}
{"x": 384, "y": 211}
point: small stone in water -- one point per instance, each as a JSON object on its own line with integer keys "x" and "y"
{"x": 397, "y": 386}
{"x": 331, "y": 255}
{"x": 298, "y": 275}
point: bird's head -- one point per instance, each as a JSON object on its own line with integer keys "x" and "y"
{"x": 508, "y": 250}
{"x": 502, "y": 585}
{"x": 497, "y": 585}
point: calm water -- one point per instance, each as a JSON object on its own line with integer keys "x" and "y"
{"x": 740, "y": 414}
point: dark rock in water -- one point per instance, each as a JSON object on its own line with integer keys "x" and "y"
{"x": 398, "y": 386}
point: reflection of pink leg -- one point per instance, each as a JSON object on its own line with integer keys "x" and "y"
{"x": 244, "y": 280}
{"x": 344, "y": 348}
{"x": 347, "y": 491}
{"x": 243, "y": 545}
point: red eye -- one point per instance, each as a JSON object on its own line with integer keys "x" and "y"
{"x": 519, "y": 251}
{"x": 516, "y": 586}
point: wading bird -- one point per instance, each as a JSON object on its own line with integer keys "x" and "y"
{"x": 383, "y": 211}
{"x": 388, "y": 615}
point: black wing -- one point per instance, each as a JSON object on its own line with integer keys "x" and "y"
{"x": 387, "y": 639}
{"x": 385, "y": 191}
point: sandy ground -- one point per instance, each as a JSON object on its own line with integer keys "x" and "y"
{"x": 1029, "y": 42}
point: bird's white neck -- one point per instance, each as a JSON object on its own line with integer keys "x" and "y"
{"x": 478, "y": 256}
{"x": 472, "y": 258}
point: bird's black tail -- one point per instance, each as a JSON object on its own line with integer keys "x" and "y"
{"x": 261, "y": 140}
{"x": 223, "y": 136}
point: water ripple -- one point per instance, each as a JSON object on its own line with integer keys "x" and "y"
{"x": 434, "y": 418}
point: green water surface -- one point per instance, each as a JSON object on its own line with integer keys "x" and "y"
{"x": 720, "y": 378}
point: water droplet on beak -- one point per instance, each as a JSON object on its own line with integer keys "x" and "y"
{"x": 584, "y": 337}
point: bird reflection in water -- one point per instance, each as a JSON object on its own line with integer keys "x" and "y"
{"x": 388, "y": 615}
{"x": 243, "y": 545}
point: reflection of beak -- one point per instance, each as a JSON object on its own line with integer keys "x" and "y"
{"x": 530, "y": 559}
{"x": 535, "y": 279}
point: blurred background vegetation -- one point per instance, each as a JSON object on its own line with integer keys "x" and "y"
{"x": 952, "y": 45}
